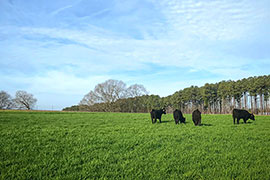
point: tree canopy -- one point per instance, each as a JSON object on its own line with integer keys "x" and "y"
{"x": 6, "y": 101}
{"x": 249, "y": 93}
{"x": 111, "y": 91}
{"x": 24, "y": 100}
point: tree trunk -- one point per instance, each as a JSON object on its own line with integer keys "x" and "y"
{"x": 255, "y": 104}
{"x": 226, "y": 106}
{"x": 265, "y": 107}
{"x": 234, "y": 103}
{"x": 240, "y": 104}
{"x": 245, "y": 101}
{"x": 261, "y": 104}
{"x": 223, "y": 105}
{"x": 251, "y": 104}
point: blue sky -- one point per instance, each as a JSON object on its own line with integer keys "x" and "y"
{"x": 59, "y": 50}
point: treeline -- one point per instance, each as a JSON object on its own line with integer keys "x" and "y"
{"x": 135, "y": 104}
{"x": 249, "y": 93}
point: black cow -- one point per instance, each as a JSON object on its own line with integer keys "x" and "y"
{"x": 196, "y": 117}
{"x": 156, "y": 114}
{"x": 241, "y": 114}
{"x": 178, "y": 116}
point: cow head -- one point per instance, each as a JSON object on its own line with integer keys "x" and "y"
{"x": 163, "y": 111}
{"x": 252, "y": 117}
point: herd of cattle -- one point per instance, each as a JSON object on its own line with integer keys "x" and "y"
{"x": 196, "y": 116}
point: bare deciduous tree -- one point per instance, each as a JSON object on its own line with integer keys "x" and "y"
{"x": 110, "y": 91}
{"x": 136, "y": 90}
{"x": 89, "y": 99}
{"x": 24, "y": 100}
{"x": 5, "y": 100}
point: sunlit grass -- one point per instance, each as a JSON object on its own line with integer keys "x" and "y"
{"x": 45, "y": 145}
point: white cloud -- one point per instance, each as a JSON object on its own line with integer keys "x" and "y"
{"x": 214, "y": 20}
{"x": 55, "y": 82}
{"x": 61, "y": 9}
{"x": 96, "y": 51}
{"x": 81, "y": 49}
{"x": 55, "y": 89}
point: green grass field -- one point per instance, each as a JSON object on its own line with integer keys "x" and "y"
{"x": 66, "y": 145}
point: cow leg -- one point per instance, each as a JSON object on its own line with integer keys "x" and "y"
{"x": 233, "y": 120}
{"x": 245, "y": 121}
{"x": 152, "y": 120}
{"x": 160, "y": 120}
{"x": 238, "y": 119}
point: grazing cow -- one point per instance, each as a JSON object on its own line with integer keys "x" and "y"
{"x": 156, "y": 114}
{"x": 178, "y": 116}
{"x": 196, "y": 117}
{"x": 242, "y": 114}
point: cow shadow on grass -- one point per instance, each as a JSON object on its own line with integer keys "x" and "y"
{"x": 157, "y": 122}
{"x": 165, "y": 121}
{"x": 184, "y": 123}
{"x": 248, "y": 122}
{"x": 206, "y": 124}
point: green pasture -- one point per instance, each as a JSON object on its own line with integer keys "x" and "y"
{"x": 77, "y": 145}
